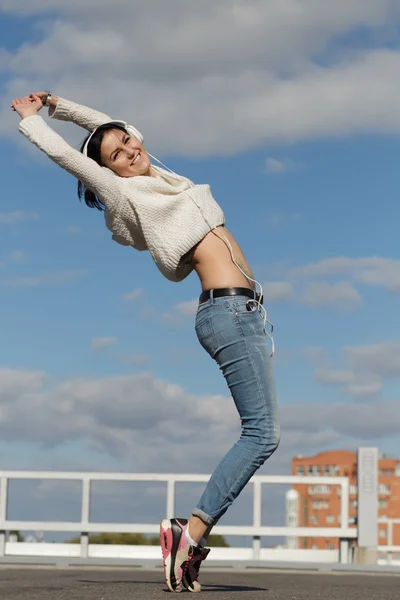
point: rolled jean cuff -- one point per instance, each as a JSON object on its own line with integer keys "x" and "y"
{"x": 203, "y": 516}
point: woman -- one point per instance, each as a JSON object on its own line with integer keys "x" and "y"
{"x": 182, "y": 226}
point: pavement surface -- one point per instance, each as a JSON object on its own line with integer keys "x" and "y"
{"x": 18, "y": 583}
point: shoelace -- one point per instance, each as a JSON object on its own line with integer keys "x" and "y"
{"x": 191, "y": 558}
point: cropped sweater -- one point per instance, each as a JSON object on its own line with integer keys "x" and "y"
{"x": 166, "y": 214}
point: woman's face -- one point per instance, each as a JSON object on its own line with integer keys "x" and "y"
{"x": 124, "y": 154}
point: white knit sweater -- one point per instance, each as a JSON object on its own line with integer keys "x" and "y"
{"x": 167, "y": 215}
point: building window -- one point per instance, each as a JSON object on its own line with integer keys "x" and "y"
{"x": 330, "y": 519}
{"x": 383, "y": 503}
{"x": 314, "y": 520}
{"x": 314, "y": 547}
{"x": 320, "y": 504}
{"x": 397, "y": 472}
{"x": 354, "y": 503}
{"x": 330, "y": 546}
{"x": 353, "y": 490}
{"x": 384, "y": 489}
{"x": 319, "y": 489}
{"x": 300, "y": 470}
{"x": 331, "y": 470}
{"x": 383, "y": 533}
{"x": 314, "y": 470}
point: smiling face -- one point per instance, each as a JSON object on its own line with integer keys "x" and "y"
{"x": 124, "y": 154}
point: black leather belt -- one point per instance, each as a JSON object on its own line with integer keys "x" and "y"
{"x": 233, "y": 291}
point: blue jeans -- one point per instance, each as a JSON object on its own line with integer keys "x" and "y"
{"x": 231, "y": 330}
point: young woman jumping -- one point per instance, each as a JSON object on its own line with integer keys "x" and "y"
{"x": 150, "y": 208}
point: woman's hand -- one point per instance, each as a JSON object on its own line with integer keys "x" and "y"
{"x": 42, "y": 95}
{"x": 28, "y": 106}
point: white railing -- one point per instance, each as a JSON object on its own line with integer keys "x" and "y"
{"x": 344, "y": 533}
{"x": 389, "y": 548}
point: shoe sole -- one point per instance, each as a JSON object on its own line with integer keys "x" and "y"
{"x": 192, "y": 590}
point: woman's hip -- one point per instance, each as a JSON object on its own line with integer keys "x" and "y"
{"x": 231, "y": 330}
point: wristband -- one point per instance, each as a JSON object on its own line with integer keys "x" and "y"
{"x": 48, "y": 99}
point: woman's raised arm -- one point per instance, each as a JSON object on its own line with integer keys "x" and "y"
{"x": 65, "y": 110}
{"x": 98, "y": 179}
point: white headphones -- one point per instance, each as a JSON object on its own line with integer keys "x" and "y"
{"x": 128, "y": 128}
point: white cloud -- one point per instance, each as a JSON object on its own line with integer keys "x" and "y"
{"x": 170, "y": 319}
{"x": 188, "y": 308}
{"x": 134, "y": 295}
{"x": 117, "y": 415}
{"x": 371, "y": 387}
{"x": 358, "y": 420}
{"x": 334, "y": 282}
{"x": 66, "y": 277}
{"x": 334, "y": 377}
{"x": 381, "y": 359}
{"x": 366, "y": 368}
{"x": 258, "y": 64}
{"x": 373, "y": 271}
{"x": 277, "y": 291}
{"x": 16, "y": 256}
{"x": 16, "y": 216}
{"x": 100, "y": 343}
{"x": 352, "y": 383}
{"x": 15, "y": 382}
{"x": 74, "y": 229}
{"x": 341, "y": 295}
{"x": 278, "y": 166}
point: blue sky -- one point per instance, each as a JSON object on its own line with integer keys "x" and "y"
{"x": 299, "y": 142}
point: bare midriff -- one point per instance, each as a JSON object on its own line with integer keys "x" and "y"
{"x": 213, "y": 263}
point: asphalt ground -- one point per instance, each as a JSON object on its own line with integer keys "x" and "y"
{"x": 43, "y": 583}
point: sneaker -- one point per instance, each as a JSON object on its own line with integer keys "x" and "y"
{"x": 176, "y": 551}
{"x": 192, "y": 568}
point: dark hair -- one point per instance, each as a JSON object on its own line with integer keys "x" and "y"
{"x": 94, "y": 152}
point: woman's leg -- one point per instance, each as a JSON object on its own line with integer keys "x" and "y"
{"x": 232, "y": 332}
{"x": 234, "y": 337}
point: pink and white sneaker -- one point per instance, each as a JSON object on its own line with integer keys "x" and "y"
{"x": 178, "y": 554}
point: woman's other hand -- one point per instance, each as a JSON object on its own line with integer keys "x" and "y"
{"x": 28, "y": 106}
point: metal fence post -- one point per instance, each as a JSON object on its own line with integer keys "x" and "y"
{"x": 85, "y": 517}
{"x": 3, "y": 513}
{"x": 257, "y": 508}
{"x": 170, "y": 498}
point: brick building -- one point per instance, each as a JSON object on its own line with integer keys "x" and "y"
{"x": 319, "y": 505}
